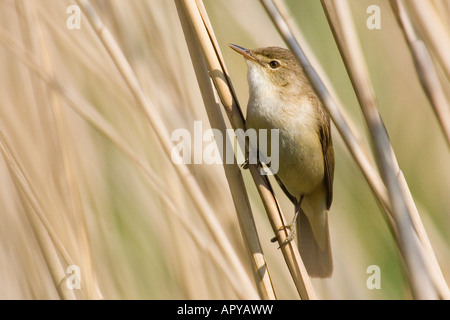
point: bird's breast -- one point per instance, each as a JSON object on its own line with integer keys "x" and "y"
{"x": 301, "y": 164}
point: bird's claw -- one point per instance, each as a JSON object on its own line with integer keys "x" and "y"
{"x": 245, "y": 165}
{"x": 289, "y": 237}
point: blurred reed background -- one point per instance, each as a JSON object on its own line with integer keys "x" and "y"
{"x": 85, "y": 180}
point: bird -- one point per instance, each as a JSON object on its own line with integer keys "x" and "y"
{"x": 281, "y": 97}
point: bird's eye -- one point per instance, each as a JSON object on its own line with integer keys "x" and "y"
{"x": 274, "y": 64}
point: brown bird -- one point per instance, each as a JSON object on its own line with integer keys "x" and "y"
{"x": 281, "y": 97}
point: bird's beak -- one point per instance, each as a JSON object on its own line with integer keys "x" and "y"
{"x": 245, "y": 52}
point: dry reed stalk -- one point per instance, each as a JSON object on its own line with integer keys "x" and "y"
{"x": 430, "y": 260}
{"x": 433, "y": 31}
{"x": 70, "y": 235}
{"x": 189, "y": 182}
{"x": 425, "y": 69}
{"x": 219, "y": 75}
{"x": 91, "y": 116}
{"x": 123, "y": 174}
{"x": 279, "y": 16}
{"x": 38, "y": 45}
{"x": 231, "y": 105}
{"x": 434, "y": 92}
{"x": 415, "y": 255}
{"x": 49, "y": 245}
{"x": 232, "y": 171}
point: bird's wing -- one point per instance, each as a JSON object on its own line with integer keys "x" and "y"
{"x": 327, "y": 150}
{"x": 328, "y": 154}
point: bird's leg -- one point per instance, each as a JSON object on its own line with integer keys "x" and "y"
{"x": 290, "y": 226}
{"x": 245, "y": 164}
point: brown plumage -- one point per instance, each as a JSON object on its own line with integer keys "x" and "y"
{"x": 281, "y": 97}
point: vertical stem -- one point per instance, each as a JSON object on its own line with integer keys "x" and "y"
{"x": 223, "y": 86}
{"x": 232, "y": 171}
{"x": 408, "y": 241}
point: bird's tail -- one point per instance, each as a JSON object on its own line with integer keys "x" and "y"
{"x": 315, "y": 247}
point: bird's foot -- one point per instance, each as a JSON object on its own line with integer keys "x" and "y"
{"x": 245, "y": 165}
{"x": 289, "y": 237}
